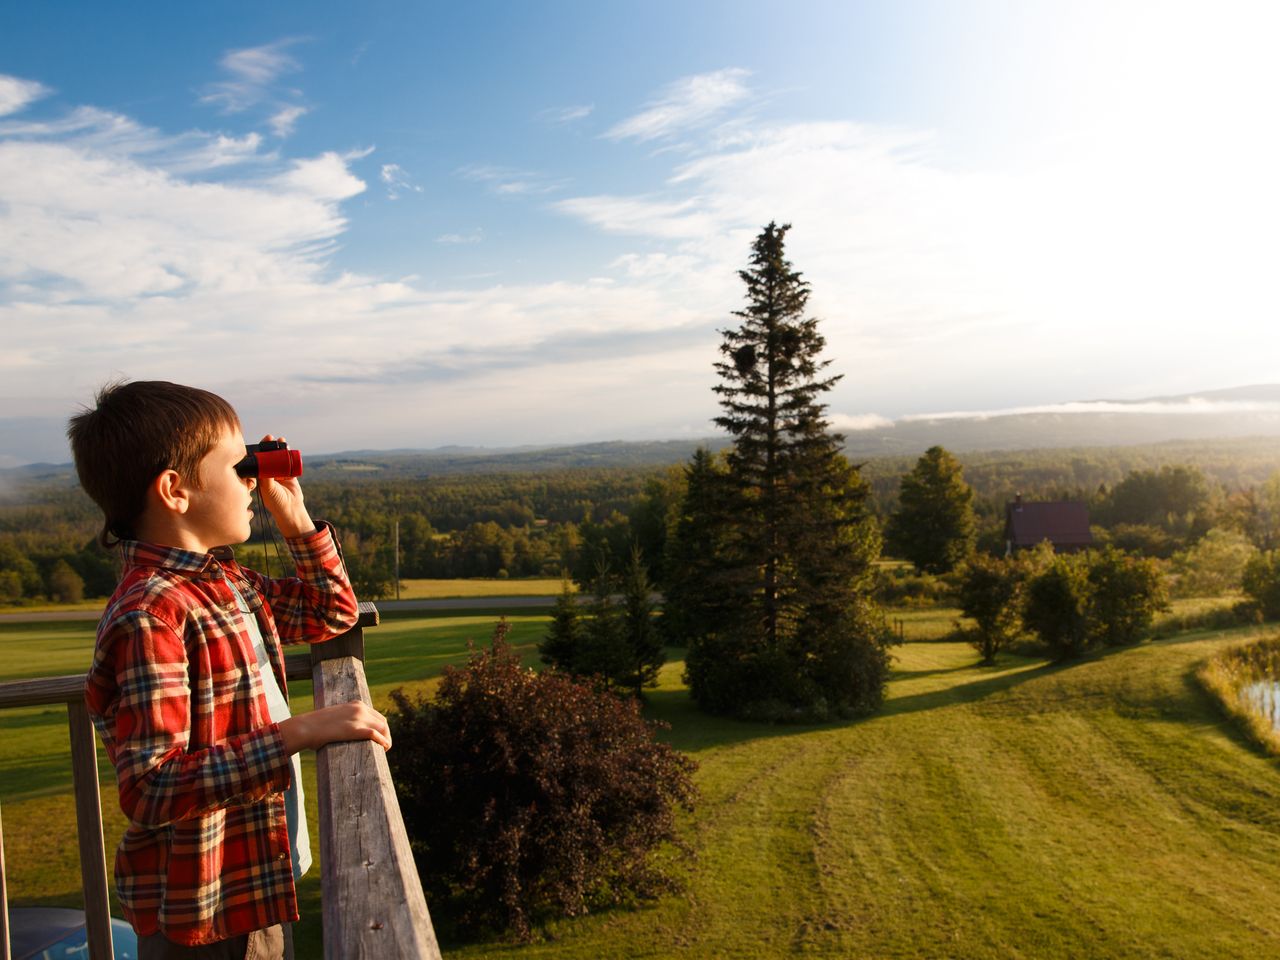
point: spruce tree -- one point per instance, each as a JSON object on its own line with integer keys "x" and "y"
{"x": 641, "y": 640}
{"x": 694, "y": 598}
{"x": 796, "y": 635}
{"x": 560, "y": 646}
{"x": 934, "y": 526}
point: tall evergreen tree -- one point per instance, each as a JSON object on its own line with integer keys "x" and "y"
{"x": 791, "y": 540}
{"x": 934, "y": 526}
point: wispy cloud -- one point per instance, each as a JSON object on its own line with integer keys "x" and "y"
{"x": 1192, "y": 406}
{"x": 16, "y": 93}
{"x": 252, "y": 72}
{"x": 284, "y": 121}
{"x": 455, "y": 239}
{"x": 119, "y": 136}
{"x": 116, "y": 257}
{"x": 397, "y": 181}
{"x": 566, "y": 114}
{"x": 509, "y": 181}
{"x": 853, "y": 422}
{"x": 689, "y": 102}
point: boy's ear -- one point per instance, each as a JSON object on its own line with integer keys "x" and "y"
{"x": 169, "y": 492}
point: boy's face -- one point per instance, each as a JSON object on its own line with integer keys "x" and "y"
{"x": 218, "y": 513}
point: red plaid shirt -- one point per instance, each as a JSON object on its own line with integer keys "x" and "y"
{"x": 177, "y": 698}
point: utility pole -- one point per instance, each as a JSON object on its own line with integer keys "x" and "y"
{"x": 397, "y": 553}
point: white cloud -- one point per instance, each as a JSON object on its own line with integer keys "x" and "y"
{"x": 284, "y": 121}
{"x": 115, "y": 261}
{"x": 852, "y": 422}
{"x": 510, "y": 181}
{"x": 689, "y": 102}
{"x": 454, "y": 239}
{"x": 253, "y": 71}
{"x": 112, "y": 134}
{"x": 1192, "y": 406}
{"x": 16, "y": 93}
{"x": 325, "y": 178}
{"x": 397, "y": 181}
{"x": 566, "y": 114}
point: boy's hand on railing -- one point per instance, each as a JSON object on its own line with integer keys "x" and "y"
{"x": 283, "y": 499}
{"x": 336, "y": 724}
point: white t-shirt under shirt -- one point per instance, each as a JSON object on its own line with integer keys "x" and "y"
{"x": 299, "y": 838}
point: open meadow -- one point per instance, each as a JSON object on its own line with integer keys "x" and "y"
{"x": 1099, "y": 809}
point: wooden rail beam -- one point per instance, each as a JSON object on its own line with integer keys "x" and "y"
{"x": 372, "y": 897}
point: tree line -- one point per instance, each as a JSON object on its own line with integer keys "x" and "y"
{"x": 528, "y": 525}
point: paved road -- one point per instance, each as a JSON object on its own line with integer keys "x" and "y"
{"x": 385, "y": 606}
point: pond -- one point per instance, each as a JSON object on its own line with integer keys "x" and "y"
{"x": 1263, "y": 697}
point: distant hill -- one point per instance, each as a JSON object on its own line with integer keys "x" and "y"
{"x": 1238, "y": 412}
{"x": 1209, "y": 415}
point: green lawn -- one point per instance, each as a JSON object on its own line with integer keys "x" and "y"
{"x": 1101, "y": 809}
{"x": 476, "y": 587}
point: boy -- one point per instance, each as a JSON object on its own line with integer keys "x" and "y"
{"x": 187, "y": 688}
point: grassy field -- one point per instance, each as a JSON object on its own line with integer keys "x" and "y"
{"x": 1101, "y": 809}
{"x": 442, "y": 589}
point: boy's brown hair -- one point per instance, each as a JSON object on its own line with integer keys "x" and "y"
{"x": 134, "y": 433}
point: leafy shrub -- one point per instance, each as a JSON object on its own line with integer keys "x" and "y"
{"x": 1057, "y": 606}
{"x": 1125, "y": 594}
{"x": 1144, "y": 539}
{"x": 1214, "y": 565}
{"x": 1103, "y": 597}
{"x": 989, "y": 591}
{"x": 1261, "y": 582}
{"x": 530, "y": 795}
{"x": 902, "y": 586}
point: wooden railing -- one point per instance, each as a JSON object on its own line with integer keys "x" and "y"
{"x": 371, "y": 897}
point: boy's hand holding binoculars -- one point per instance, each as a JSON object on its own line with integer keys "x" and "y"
{"x": 276, "y": 469}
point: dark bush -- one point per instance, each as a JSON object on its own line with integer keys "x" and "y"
{"x": 1261, "y": 583}
{"x": 532, "y": 795}
{"x": 990, "y": 594}
{"x": 1125, "y": 594}
{"x": 1056, "y": 607}
{"x": 902, "y": 586}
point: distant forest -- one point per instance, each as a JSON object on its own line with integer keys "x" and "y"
{"x": 543, "y": 520}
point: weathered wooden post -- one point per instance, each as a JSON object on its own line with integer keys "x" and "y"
{"x": 93, "y": 862}
{"x": 69, "y": 690}
{"x": 373, "y": 903}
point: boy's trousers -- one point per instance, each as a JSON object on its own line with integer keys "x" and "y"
{"x": 273, "y": 943}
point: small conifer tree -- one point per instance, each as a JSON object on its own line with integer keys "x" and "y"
{"x": 564, "y": 635}
{"x": 639, "y": 634}
{"x": 934, "y": 526}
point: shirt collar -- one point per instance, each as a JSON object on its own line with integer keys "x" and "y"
{"x": 137, "y": 553}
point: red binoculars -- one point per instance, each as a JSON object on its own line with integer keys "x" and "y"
{"x": 270, "y": 459}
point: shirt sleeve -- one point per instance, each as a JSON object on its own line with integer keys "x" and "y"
{"x": 161, "y": 780}
{"x": 319, "y": 602}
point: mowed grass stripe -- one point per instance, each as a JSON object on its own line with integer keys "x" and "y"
{"x": 1025, "y": 810}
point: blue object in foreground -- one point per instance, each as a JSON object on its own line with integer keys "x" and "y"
{"x": 55, "y": 933}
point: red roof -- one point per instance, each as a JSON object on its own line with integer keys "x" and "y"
{"x": 1064, "y": 523}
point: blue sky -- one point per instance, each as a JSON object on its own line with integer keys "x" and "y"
{"x": 408, "y": 225}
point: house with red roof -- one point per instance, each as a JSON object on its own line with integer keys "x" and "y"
{"x": 1064, "y": 523}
